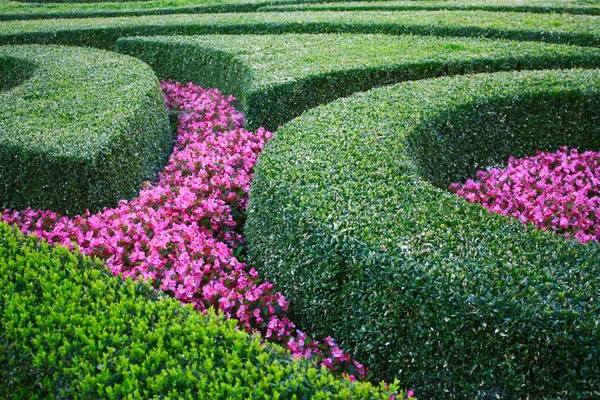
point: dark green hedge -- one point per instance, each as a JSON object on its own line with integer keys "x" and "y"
{"x": 582, "y": 30}
{"x": 535, "y": 6}
{"x": 418, "y": 283}
{"x": 68, "y": 329}
{"x": 81, "y": 130}
{"x": 277, "y": 77}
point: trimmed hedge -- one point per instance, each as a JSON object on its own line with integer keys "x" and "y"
{"x": 418, "y": 283}
{"x": 68, "y": 329}
{"x": 277, "y": 77}
{"x": 535, "y": 6}
{"x": 82, "y": 132}
{"x": 582, "y": 30}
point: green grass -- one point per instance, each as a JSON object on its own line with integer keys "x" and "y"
{"x": 591, "y": 7}
{"x": 581, "y": 30}
{"x": 277, "y": 77}
{"x": 349, "y": 216}
{"x": 69, "y": 144}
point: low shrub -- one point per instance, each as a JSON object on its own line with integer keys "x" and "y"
{"x": 70, "y": 330}
{"x": 581, "y": 30}
{"x": 277, "y": 77}
{"x": 417, "y": 283}
{"x": 69, "y": 144}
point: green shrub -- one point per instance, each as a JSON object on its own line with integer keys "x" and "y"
{"x": 415, "y": 282}
{"x": 535, "y": 6}
{"x": 81, "y": 130}
{"x": 582, "y": 30}
{"x": 68, "y": 329}
{"x": 277, "y": 77}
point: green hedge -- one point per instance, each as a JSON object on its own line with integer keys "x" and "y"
{"x": 68, "y": 329}
{"x": 415, "y": 282}
{"x": 583, "y": 30}
{"x": 277, "y": 77}
{"x": 81, "y": 130}
{"x": 535, "y": 6}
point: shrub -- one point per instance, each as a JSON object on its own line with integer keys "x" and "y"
{"x": 70, "y": 330}
{"x": 277, "y": 77}
{"x": 69, "y": 144}
{"x": 419, "y": 284}
{"x": 582, "y": 30}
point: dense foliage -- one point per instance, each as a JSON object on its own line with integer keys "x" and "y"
{"x": 418, "y": 283}
{"x": 66, "y": 142}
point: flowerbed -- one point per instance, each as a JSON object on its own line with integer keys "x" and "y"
{"x": 554, "y": 191}
{"x": 182, "y": 232}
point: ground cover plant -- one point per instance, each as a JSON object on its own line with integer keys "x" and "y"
{"x": 536, "y": 299}
{"x": 69, "y": 144}
{"x": 277, "y": 77}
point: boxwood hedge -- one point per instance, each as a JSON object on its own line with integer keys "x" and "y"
{"x": 350, "y": 219}
{"x": 79, "y": 129}
{"x": 277, "y": 77}
{"x": 532, "y": 6}
{"x": 582, "y": 30}
{"x": 68, "y": 329}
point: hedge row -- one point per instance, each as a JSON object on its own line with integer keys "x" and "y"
{"x": 583, "y": 30}
{"x": 277, "y": 77}
{"x": 22, "y": 11}
{"x": 68, "y": 329}
{"x": 418, "y": 283}
{"x": 67, "y": 142}
{"x": 535, "y": 6}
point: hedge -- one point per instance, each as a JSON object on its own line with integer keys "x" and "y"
{"x": 67, "y": 143}
{"x": 583, "y": 30}
{"x": 350, "y": 218}
{"x": 536, "y": 6}
{"x": 277, "y": 77}
{"x": 68, "y": 329}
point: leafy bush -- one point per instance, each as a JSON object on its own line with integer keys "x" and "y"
{"x": 70, "y": 330}
{"x": 582, "y": 30}
{"x": 415, "y": 282}
{"x": 277, "y": 77}
{"x": 67, "y": 142}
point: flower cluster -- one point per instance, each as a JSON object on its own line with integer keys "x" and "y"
{"x": 183, "y": 231}
{"x": 555, "y": 191}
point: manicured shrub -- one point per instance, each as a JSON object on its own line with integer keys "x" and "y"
{"x": 67, "y": 142}
{"x": 417, "y": 283}
{"x": 581, "y": 30}
{"x": 68, "y": 329}
{"x": 277, "y": 77}
{"x": 536, "y": 6}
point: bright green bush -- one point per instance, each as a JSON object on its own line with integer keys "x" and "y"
{"x": 80, "y": 129}
{"x": 418, "y": 283}
{"x": 582, "y": 30}
{"x": 70, "y": 330}
{"x": 277, "y": 77}
{"x": 533, "y": 6}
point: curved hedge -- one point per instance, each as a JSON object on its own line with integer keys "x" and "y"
{"x": 67, "y": 143}
{"x": 581, "y": 30}
{"x": 277, "y": 77}
{"x": 68, "y": 329}
{"x": 419, "y": 284}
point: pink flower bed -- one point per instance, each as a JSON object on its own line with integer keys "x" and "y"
{"x": 182, "y": 231}
{"x": 555, "y": 191}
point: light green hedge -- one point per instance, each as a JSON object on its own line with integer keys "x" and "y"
{"x": 416, "y": 282}
{"x": 533, "y": 6}
{"x": 582, "y": 30}
{"x": 68, "y": 329}
{"x": 277, "y": 77}
{"x": 80, "y": 129}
